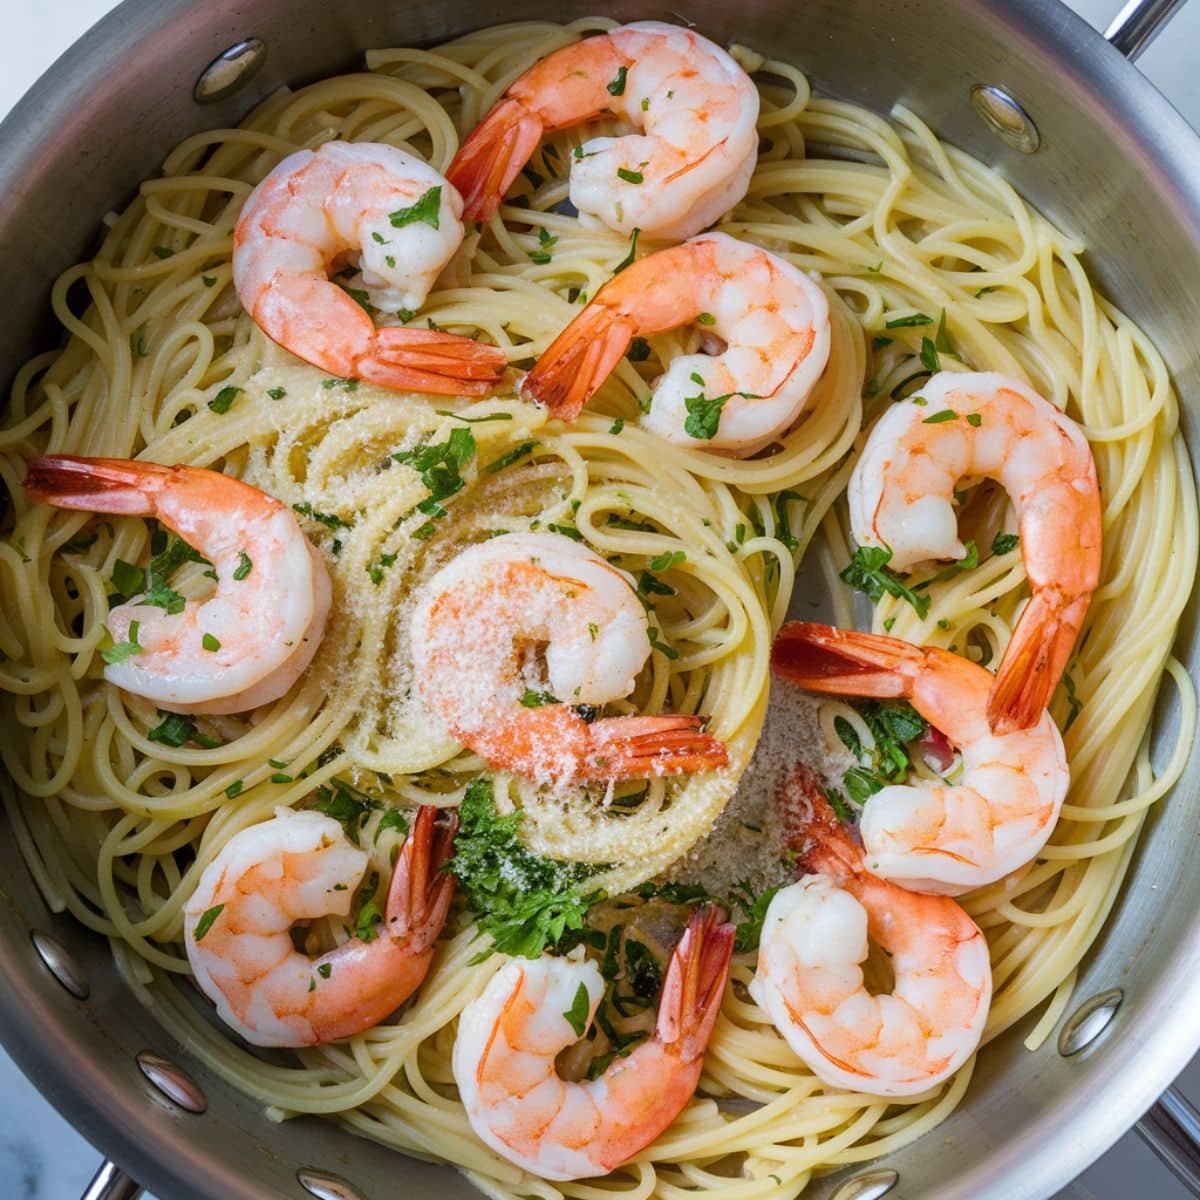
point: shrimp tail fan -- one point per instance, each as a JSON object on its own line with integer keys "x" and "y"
{"x": 845, "y": 662}
{"x": 109, "y": 485}
{"x": 492, "y": 157}
{"x": 695, "y": 982}
{"x": 429, "y": 361}
{"x": 1035, "y": 660}
{"x": 579, "y": 360}
{"x": 635, "y": 747}
{"x": 421, "y": 890}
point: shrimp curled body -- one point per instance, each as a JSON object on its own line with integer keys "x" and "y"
{"x": 508, "y": 1039}
{"x": 688, "y": 162}
{"x": 476, "y": 634}
{"x": 809, "y": 979}
{"x": 300, "y": 866}
{"x": 901, "y": 496}
{"x": 267, "y": 614}
{"x": 936, "y": 836}
{"x": 773, "y": 319}
{"x": 403, "y": 220}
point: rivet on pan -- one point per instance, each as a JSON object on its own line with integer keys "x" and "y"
{"x": 230, "y": 71}
{"x": 870, "y": 1185}
{"x": 325, "y": 1186}
{"x": 60, "y": 964}
{"x": 172, "y": 1081}
{"x": 1089, "y": 1021}
{"x": 1005, "y": 118}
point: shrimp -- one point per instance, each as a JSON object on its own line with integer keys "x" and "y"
{"x": 300, "y": 866}
{"x": 252, "y": 638}
{"x": 689, "y": 161}
{"x": 403, "y": 219}
{"x": 518, "y": 637}
{"x": 508, "y": 1038}
{"x": 937, "y": 836}
{"x": 901, "y": 497}
{"x": 815, "y": 936}
{"x": 772, "y": 317}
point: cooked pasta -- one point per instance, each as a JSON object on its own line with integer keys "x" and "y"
{"x": 925, "y": 253}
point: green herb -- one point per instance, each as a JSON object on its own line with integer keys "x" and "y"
{"x": 175, "y": 730}
{"x": 848, "y": 736}
{"x": 440, "y": 467}
{"x": 525, "y": 902}
{"x": 496, "y": 416}
{"x": 507, "y": 460}
{"x": 749, "y": 929}
{"x": 577, "y": 1015}
{"x": 234, "y": 789}
{"x": 244, "y": 567}
{"x": 137, "y": 341}
{"x": 661, "y": 647}
{"x": 210, "y": 643}
{"x": 127, "y": 580}
{"x": 567, "y": 531}
{"x": 122, "y": 651}
{"x": 312, "y": 984}
{"x": 405, "y": 314}
{"x": 868, "y": 572}
{"x": 329, "y": 520}
{"x": 649, "y": 585}
{"x": 629, "y": 176}
{"x": 929, "y": 356}
{"x": 943, "y": 624}
{"x": 162, "y": 251}
{"x": 426, "y": 209}
{"x": 277, "y": 393}
{"x": 968, "y": 561}
{"x": 542, "y": 255}
{"x": 222, "y": 401}
{"x": 369, "y": 916}
{"x": 1002, "y": 543}
{"x": 325, "y": 970}
{"x": 783, "y": 527}
{"x": 668, "y": 560}
{"x": 706, "y": 318}
{"x": 392, "y": 819}
{"x": 880, "y": 341}
{"x": 617, "y": 86}
{"x": 940, "y": 418}
{"x": 207, "y": 920}
{"x": 704, "y": 414}
{"x": 941, "y": 339}
{"x": 974, "y": 420}
{"x": 208, "y": 280}
{"x": 629, "y": 258}
{"x": 349, "y": 385}
{"x": 888, "y": 623}
{"x": 617, "y": 425}
{"x": 531, "y": 698}
{"x": 642, "y": 971}
{"x": 918, "y": 318}
{"x": 346, "y": 805}
{"x": 983, "y": 291}
{"x": 376, "y": 569}
{"x": 1073, "y": 700}
{"x": 639, "y": 350}
{"x": 838, "y": 803}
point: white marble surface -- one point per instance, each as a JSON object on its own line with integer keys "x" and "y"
{"x": 41, "y": 1156}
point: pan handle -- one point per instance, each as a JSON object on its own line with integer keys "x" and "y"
{"x": 1172, "y": 1130}
{"x": 1138, "y": 23}
{"x": 111, "y": 1183}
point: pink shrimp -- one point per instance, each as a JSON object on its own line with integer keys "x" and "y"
{"x": 901, "y": 496}
{"x": 475, "y": 633}
{"x": 773, "y": 319}
{"x": 403, "y": 221}
{"x": 690, "y": 162}
{"x": 809, "y": 977}
{"x": 508, "y": 1039}
{"x": 300, "y": 866}
{"x": 252, "y": 638}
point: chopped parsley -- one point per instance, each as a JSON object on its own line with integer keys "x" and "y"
{"x": 531, "y": 698}
{"x": 1073, "y": 700}
{"x": 514, "y": 455}
{"x": 425, "y": 210}
{"x": 210, "y": 643}
{"x": 224, "y": 399}
{"x": 525, "y": 902}
{"x": 940, "y": 418}
{"x": 616, "y": 87}
{"x": 893, "y": 724}
{"x": 244, "y": 567}
{"x": 631, "y": 256}
{"x": 277, "y": 393}
{"x": 207, "y": 920}
{"x": 376, "y": 569}
{"x": 542, "y": 254}
{"x": 346, "y": 805}
{"x": 639, "y": 350}
{"x": 868, "y": 572}
{"x": 577, "y": 1015}
{"x": 163, "y": 251}
{"x": 630, "y": 176}
{"x": 749, "y": 929}
{"x": 918, "y": 318}
{"x": 706, "y": 318}
{"x": 1002, "y": 543}
{"x": 617, "y": 425}
{"x": 234, "y": 789}
{"x": 704, "y": 412}
{"x": 122, "y": 651}
{"x": 177, "y": 730}
{"x": 667, "y": 560}
{"x": 329, "y": 520}
{"x": 929, "y": 355}
{"x": 440, "y": 467}
{"x": 208, "y": 280}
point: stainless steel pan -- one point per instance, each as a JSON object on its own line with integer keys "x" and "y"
{"x": 1114, "y": 164}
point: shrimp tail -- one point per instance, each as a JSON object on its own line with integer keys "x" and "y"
{"x": 695, "y": 982}
{"x": 421, "y": 889}
{"x": 109, "y": 485}
{"x": 634, "y": 747}
{"x": 427, "y": 360}
{"x": 844, "y": 661}
{"x": 1035, "y": 660}
{"x": 814, "y": 834}
{"x": 579, "y": 360}
{"x": 492, "y": 157}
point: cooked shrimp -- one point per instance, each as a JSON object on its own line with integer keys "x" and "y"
{"x": 901, "y": 496}
{"x": 318, "y": 208}
{"x": 688, "y": 162}
{"x": 300, "y": 866}
{"x": 809, "y": 979}
{"x": 773, "y": 319}
{"x": 936, "y": 836}
{"x": 509, "y": 1037}
{"x": 252, "y": 638}
{"x": 481, "y": 631}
